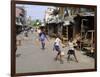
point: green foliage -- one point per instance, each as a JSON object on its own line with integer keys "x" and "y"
{"x": 36, "y": 22}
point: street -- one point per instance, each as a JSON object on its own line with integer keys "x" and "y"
{"x": 31, "y": 58}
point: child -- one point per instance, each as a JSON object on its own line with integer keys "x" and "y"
{"x": 42, "y": 37}
{"x": 71, "y": 50}
{"x": 57, "y": 48}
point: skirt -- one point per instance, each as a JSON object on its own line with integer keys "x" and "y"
{"x": 71, "y": 52}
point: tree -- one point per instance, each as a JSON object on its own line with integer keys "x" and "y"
{"x": 36, "y": 22}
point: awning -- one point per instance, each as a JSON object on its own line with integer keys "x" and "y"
{"x": 19, "y": 24}
{"x": 66, "y": 23}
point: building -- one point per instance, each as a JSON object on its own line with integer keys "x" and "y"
{"x": 72, "y": 22}
{"x": 82, "y": 27}
{"x": 53, "y": 21}
{"x": 20, "y": 18}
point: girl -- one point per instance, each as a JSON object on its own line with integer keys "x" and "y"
{"x": 56, "y": 47}
{"x": 71, "y": 50}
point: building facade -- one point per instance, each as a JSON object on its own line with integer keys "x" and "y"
{"x": 20, "y": 19}
{"x": 53, "y": 21}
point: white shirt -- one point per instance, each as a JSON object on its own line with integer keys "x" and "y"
{"x": 71, "y": 46}
{"x": 57, "y": 41}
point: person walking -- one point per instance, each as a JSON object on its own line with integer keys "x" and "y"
{"x": 32, "y": 30}
{"x": 42, "y": 38}
{"x": 25, "y": 35}
{"x": 56, "y": 46}
{"x": 71, "y": 50}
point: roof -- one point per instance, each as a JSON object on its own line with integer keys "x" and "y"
{"x": 19, "y": 24}
{"x": 66, "y": 23}
{"x": 87, "y": 14}
{"x": 54, "y": 19}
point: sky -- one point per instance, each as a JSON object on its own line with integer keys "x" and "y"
{"x": 35, "y": 11}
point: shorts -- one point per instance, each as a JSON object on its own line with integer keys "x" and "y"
{"x": 57, "y": 48}
{"x": 71, "y": 52}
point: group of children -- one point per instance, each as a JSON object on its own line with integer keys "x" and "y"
{"x": 60, "y": 54}
{"x": 57, "y": 45}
